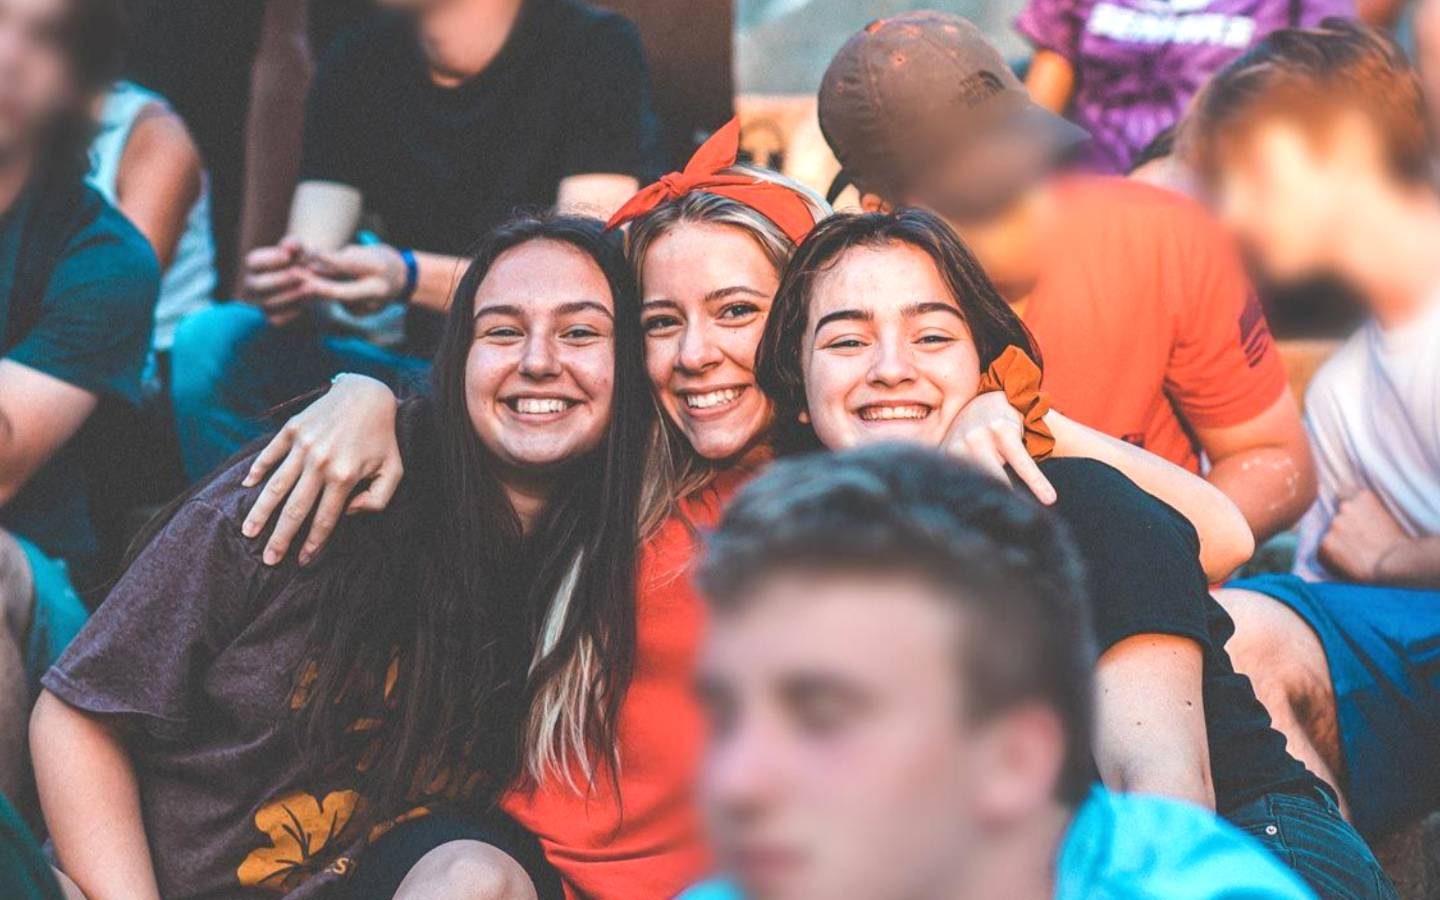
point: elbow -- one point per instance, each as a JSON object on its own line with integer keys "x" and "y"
{"x": 1220, "y": 557}
{"x": 1186, "y": 779}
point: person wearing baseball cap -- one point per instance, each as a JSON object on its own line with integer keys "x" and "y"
{"x": 1151, "y": 330}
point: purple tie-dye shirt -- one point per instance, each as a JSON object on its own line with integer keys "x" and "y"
{"x": 1138, "y": 62}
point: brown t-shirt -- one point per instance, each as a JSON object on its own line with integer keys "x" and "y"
{"x": 195, "y": 654}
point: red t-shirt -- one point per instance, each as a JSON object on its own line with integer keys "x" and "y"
{"x": 1147, "y": 320}
{"x": 655, "y": 850}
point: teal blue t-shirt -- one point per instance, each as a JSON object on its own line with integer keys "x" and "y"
{"x": 1131, "y": 847}
{"x": 92, "y": 330}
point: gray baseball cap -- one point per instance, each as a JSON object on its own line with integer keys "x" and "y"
{"x": 922, "y": 106}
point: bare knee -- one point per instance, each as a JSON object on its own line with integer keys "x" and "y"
{"x": 466, "y": 870}
{"x": 1271, "y": 644}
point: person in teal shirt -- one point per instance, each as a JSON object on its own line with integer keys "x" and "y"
{"x": 898, "y": 678}
{"x": 78, "y": 285}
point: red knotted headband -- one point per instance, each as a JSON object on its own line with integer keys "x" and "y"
{"x": 781, "y": 205}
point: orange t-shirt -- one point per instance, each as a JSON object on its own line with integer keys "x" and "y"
{"x": 1147, "y": 321}
{"x": 655, "y": 849}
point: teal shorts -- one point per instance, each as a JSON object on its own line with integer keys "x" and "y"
{"x": 57, "y": 617}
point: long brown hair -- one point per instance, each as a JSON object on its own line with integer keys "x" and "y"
{"x": 443, "y": 612}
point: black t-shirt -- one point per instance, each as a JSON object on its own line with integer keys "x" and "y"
{"x": 568, "y": 94}
{"x": 1142, "y": 564}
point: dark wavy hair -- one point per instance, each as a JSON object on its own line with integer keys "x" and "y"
{"x": 443, "y": 627}
{"x": 779, "y": 368}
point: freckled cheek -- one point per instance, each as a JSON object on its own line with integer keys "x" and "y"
{"x": 741, "y": 345}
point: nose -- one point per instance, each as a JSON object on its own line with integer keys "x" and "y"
{"x": 697, "y": 352}
{"x": 539, "y": 359}
{"x": 893, "y": 363}
{"x": 738, "y": 772}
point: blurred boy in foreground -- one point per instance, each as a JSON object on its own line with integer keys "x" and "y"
{"x": 898, "y": 679}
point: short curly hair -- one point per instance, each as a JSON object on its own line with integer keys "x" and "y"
{"x": 1007, "y": 563}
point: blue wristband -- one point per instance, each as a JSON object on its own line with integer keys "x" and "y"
{"x": 412, "y": 274}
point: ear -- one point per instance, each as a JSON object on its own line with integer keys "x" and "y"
{"x": 804, "y": 417}
{"x": 875, "y": 203}
{"x": 1020, "y": 754}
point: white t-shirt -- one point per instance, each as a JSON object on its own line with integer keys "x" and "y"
{"x": 1373, "y": 413}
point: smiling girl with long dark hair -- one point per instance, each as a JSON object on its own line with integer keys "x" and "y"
{"x": 224, "y": 727}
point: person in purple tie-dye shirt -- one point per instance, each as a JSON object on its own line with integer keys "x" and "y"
{"x": 1125, "y": 69}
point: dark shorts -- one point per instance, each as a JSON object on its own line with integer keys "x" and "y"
{"x": 385, "y": 863}
{"x": 1382, "y": 645}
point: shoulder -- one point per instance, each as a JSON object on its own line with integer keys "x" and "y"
{"x": 109, "y": 250}
{"x": 1154, "y": 845}
{"x": 1339, "y": 380}
{"x": 1144, "y": 211}
{"x": 1103, "y": 507}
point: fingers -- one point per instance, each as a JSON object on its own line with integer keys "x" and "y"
{"x": 276, "y": 489}
{"x": 327, "y": 516}
{"x": 1012, "y": 448}
{"x": 979, "y": 449}
{"x": 267, "y": 259}
{"x": 297, "y": 509}
{"x": 274, "y": 281}
{"x": 361, "y": 290}
{"x": 379, "y": 491}
{"x": 269, "y": 458}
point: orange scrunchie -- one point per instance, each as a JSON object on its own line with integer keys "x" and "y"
{"x": 1016, "y": 374}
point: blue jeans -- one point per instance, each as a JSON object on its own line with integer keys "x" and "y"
{"x": 230, "y": 368}
{"x": 1309, "y": 835}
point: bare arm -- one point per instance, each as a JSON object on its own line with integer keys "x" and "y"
{"x": 279, "y": 82}
{"x": 1265, "y": 466}
{"x": 159, "y": 180}
{"x": 1150, "y": 734}
{"x": 1050, "y": 80}
{"x": 38, "y": 414}
{"x": 1225, "y": 539}
{"x": 91, "y": 802}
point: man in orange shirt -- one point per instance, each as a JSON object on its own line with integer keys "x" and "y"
{"x": 1150, "y": 328}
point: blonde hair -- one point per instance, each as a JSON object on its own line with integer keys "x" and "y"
{"x": 555, "y": 732}
{"x": 675, "y": 471}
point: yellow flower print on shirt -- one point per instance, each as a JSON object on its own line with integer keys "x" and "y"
{"x": 300, "y": 829}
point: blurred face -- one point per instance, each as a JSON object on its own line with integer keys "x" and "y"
{"x": 886, "y": 354}
{"x": 1010, "y": 244}
{"x": 1283, "y": 194}
{"x": 708, "y": 291}
{"x": 839, "y": 764}
{"x": 540, "y": 374}
{"x": 35, "y": 79}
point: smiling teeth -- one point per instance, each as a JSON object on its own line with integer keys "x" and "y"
{"x": 884, "y": 413}
{"x": 712, "y": 399}
{"x": 538, "y": 406}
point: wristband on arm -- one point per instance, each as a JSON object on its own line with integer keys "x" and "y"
{"x": 412, "y": 274}
{"x": 1017, "y": 376}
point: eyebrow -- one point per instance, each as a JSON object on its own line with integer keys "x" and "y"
{"x": 908, "y": 311}
{"x": 844, "y": 315}
{"x": 564, "y": 309}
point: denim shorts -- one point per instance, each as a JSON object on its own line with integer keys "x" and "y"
{"x": 1308, "y": 834}
{"x": 1382, "y": 646}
